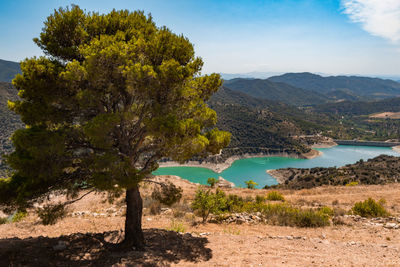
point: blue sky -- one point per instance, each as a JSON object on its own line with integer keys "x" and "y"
{"x": 324, "y": 36}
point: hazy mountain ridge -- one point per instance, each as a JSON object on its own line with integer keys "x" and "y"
{"x": 275, "y": 91}
{"x": 373, "y": 88}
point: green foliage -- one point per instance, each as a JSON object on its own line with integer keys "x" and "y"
{"x": 260, "y": 199}
{"x": 19, "y": 216}
{"x": 211, "y": 181}
{"x": 310, "y": 218}
{"x": 113, "y": 94}
{"x": 250, "y": 184}
{"x": 176, "y": 226}
{"x": 50, "y": 214}
{"x": 206, "y": 202}
{"x": 327, "y": 210}
{"x": 168, "y": 195}
{"x": 354, "y": 183}
{"x": 370, "y": 208}
{"x": 275, "y": 196}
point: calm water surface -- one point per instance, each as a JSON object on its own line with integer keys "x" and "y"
{"x": 255, "y": 168}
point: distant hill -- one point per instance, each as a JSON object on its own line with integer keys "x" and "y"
{"x": 361, "y": 107}
{"x": 275, "y": 91}
{"x": 9, "y": 121}
{"x": 369, "y": 88}
{"x": 8, "y": 70}
{"x": 249, "y": 75}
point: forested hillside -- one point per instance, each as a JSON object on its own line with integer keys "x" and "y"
{"x": 9, "y": 121}
{"x": 8, "y": 70}
{"x": 379, "y": 170}
{"x": 365, "y": 87}
{"x": 276, "y": 91}
{"x": 361, "y": 107}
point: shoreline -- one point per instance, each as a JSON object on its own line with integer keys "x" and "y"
{"x": 278, "y": 176}
{"x": 324, "y": 145}
{"x": 220, "y": 167}
{"x": 396, "y": 149}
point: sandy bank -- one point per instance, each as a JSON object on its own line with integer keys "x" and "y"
{"x": 396, "y": 148}
{"x": 220, "y": 167}
{"x": 324, "y": 145}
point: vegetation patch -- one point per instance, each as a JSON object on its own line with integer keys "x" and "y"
{"x": 275, "y": 196}
{"x": 220, "y": 204}
{"x": 370, "y": 208}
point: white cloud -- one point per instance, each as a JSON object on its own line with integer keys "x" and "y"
{"x": 378, "y": 17}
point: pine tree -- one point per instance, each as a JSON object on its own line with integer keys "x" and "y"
{"x": 113, "y": 94}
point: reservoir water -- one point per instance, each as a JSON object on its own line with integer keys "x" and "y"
{"x": 255, "y": 168}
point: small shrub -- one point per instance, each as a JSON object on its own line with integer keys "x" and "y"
{"x": 327, "y": 210}
{"x": 3, "y": 220}
{"x": 310, "y": 218}
{"x": 206, "y": 202}
{"x": 250, "y": 184}
{"x": 275, "y": 196}
{"x": 177, "y": 227}
{"x": 211, "y": 181}
{"x": 168, "y": 195}
{"x": 50, "y": 214}
{"x": 370, "y": 208}
{"x": 19, "y": 216}
{"x": 352, "y": 183}
{"x": 260, "y": 199}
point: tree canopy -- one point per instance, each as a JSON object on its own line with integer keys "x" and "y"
{"x": 113, "y": 94}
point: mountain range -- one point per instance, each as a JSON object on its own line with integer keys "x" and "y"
{"x": 268, "y": 115}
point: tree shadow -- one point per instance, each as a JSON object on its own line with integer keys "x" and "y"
{"x": 93, "y": 249}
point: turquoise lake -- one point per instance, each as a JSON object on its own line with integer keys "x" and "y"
{"x": 255, "y": 168}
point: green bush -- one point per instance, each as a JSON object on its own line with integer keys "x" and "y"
{"x": 370, "y": 208}
{"x": 211, "y": 181}
{"x": 352, "y": 183}
{"x": 19, "y": 216}
{"x": 177, "y": 227}
{"x": 260, "y": 199}
{"x": 327, "y": 210}
{"x": 276, "y": 196}
{"x": 311, "y": 218}
{"x": 206, "y": 202}
{"x": 250, "y": 184}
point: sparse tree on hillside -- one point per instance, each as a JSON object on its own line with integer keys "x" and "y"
{"x": 113, "y": 95}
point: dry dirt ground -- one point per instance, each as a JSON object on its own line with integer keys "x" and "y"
{"x": 86, "y": 240}
{"x": 386, "y": 115}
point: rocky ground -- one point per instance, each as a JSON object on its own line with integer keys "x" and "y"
{"x": 86, "y": 235}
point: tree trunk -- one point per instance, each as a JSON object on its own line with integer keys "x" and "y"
{"x": 133, "y": 222}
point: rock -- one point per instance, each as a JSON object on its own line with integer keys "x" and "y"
{"x": 224, "y": 183}
{"x": 289, "y": 237}
{"x": 391, "y": 225}
{"x": 204, "y": 234}
{"x": 325, "y": 242}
